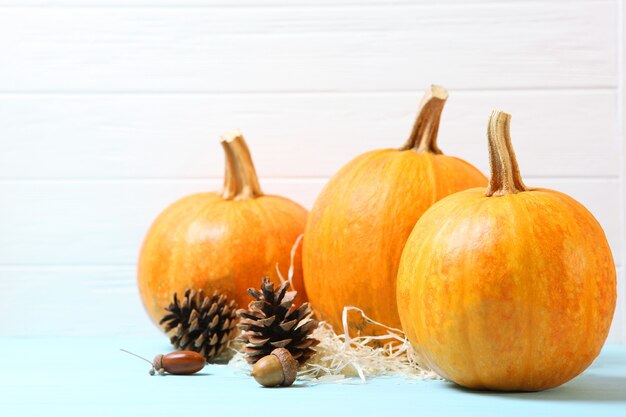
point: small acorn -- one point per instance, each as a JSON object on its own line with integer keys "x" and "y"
{"x": 278, "y": 368}
{"x": 182, "y": 362}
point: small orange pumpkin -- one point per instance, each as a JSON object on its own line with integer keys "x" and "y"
{"x": 224, "y": 241}
{"x": 509, "y": 288}
{"x": 362, "y": 218}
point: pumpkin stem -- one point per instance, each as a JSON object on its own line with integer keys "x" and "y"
{"x": 505, "y": 175}
{"x": 240, "y": 179}
{"x": 423, "y": 137}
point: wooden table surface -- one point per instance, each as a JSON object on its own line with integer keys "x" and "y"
{"x": 90, "y": 377}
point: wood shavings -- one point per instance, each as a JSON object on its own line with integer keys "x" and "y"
{"x": 341, "y": 358}
{"x": 339, "y": 355}
{"x": 290, "y": 272}
{"x": 238, "y": 360}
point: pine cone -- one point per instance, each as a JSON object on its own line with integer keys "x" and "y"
{"x": 201, "y": 323}
{"x": 272, "y": 322}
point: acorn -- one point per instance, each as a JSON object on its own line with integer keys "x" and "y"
{"x": 278, "y": 368}
{"x": 182, "y": 362}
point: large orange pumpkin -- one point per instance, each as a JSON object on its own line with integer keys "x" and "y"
{"x": 361, "y": 220}
{"x": 224, "y": 241}
{"x": 509, "y": 288}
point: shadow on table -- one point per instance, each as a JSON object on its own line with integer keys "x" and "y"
{"x": 588, "y": 387}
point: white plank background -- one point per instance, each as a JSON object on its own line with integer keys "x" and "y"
{"x": 110, "y": 110}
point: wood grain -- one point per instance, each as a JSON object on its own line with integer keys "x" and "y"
{"x": 619, "y": 323}
{"x": 220, "y": 49}
{"x": 110, "y": 110}
{"x": 256, "y": 3}
{"x": 73, "y": 301}
{"x": 103, "y": 223}
{"x": 96, "y": 301}
{"x": 291, "y": 135}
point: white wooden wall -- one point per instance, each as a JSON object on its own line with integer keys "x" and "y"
{"x": 112, "y": 109}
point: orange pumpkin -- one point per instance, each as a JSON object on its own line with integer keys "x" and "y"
{"x": 509, "y": 288}
{"x": 224, "y": 241}
{"x": 361, "y": 220}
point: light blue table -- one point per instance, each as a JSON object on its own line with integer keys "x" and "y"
{"x": 90, "y": 377}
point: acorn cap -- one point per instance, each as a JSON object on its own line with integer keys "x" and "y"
{"x": 157, "y": 363}
{"x": 289, "y": 364}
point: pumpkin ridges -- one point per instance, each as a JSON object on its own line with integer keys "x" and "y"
{"x": 411, "y": 208}
{"x": 604, "y": 287}
{"x": 423, "y": 292}
{"x": 324, "y": 218}
{"x": 519, "y": 215}
{"x": 388, "y": 166}
{"x": 571, "y": 368}
{"x": 399, "y": 171}
{"x": 296, "y": 215}
{"x": 186, "y": 259}
{"x": 542, "y": 359}
{"x": 521, "y": 277}
{"x": 220, "y": 241}
{"x": 418, "y": 295}
{"x": 584, "y": 227}
{"x": 360, "y": 222}
{"x": 325, "y": 210}
{"x": 450, "y": 299}
{"x": 470, "y": 336}
{"x": 446, "y": 184}
{"x": 547, "y": 263}
{"x": 257, "y": 212}
{"x": 432, "y": 163}
{"x": 159, "y": 244}
{"x": 217, "y": 214}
